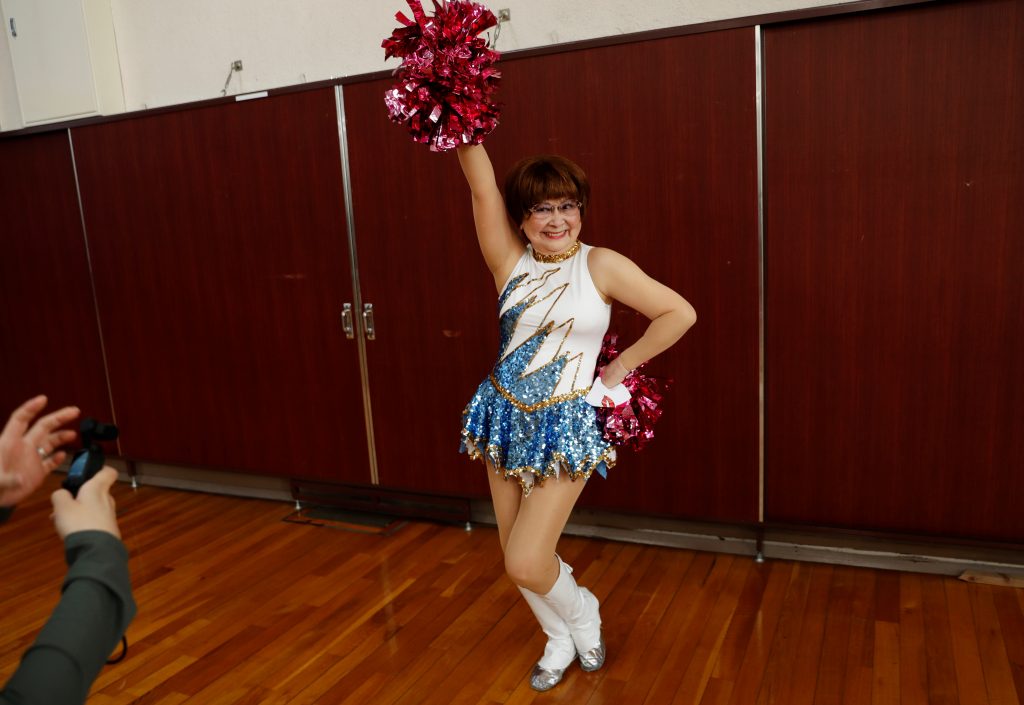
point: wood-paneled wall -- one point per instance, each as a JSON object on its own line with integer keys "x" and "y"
{"x": 894, "y": 257}
{"x": 895, "y": 270}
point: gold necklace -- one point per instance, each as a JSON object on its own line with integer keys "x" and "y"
{"x": 560, "y": 257}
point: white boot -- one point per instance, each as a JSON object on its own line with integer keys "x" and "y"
{"x": 559, "y": 651}
{"x": 580, "y": 610}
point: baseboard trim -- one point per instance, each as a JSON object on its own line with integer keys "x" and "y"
{"x": 210, "y": 481}
{"x": 915, "y": 562}
{"x": 777, "y": 544}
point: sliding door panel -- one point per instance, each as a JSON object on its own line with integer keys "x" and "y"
{"x": 51, "y": 344}
{"x": 220, "y": 250}
{"x": 432, "y": 298}
{"x": 895, "y": 252}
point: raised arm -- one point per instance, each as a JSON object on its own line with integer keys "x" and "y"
{"x": 671, "y": 315}
{"x": 499, "y": 244}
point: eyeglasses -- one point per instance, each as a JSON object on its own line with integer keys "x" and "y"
{"x": 545, "y": 211}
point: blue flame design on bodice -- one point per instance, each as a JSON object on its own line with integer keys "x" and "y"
{"x": 539, "y": 385}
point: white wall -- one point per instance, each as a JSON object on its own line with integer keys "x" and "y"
{"x": 175, "y": 52}
{"x": 10, "y": 113}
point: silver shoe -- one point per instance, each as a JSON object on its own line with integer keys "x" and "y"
{"x": 545, "y": 678}
{"x": 593, "y": 659}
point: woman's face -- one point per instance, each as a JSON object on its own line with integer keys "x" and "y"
{"x": 553, "y": 225}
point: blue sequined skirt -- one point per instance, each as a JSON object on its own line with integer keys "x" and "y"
{"x": 532, "y": 446}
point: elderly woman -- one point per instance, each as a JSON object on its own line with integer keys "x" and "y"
{"x": 529, "y": 420}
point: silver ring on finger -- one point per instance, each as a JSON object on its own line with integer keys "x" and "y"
{"x": 43, "y": 455}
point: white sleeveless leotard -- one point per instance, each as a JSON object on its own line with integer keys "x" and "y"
{"x": 529, "y": 417}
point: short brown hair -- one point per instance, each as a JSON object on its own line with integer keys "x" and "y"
{"x": 535, "y": 179}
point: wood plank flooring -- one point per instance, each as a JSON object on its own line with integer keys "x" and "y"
{"x": 237, "y": 607}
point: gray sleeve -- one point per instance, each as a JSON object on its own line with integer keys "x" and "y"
{"x": 84, "y": 629}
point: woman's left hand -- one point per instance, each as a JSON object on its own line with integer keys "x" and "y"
{"x": 613, "y": 373}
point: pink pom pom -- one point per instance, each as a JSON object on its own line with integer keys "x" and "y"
{"x": 444, "y": 94}
{"x": 631, "y": 423}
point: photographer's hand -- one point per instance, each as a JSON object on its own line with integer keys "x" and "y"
{"x": 93, "y": 510}
{"x": 28, "y": 455}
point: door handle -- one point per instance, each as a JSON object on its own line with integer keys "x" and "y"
{"x": 14, "y": 28}
{"x": 371, "y": 332}
{"x": 346, "y": 321}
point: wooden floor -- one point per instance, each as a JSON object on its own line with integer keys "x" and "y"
{"x": 239, "y": 607}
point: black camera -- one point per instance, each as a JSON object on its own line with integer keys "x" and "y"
{"x": 90, "y": 459}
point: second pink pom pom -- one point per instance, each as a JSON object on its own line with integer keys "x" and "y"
{"x": 631, "y": 423}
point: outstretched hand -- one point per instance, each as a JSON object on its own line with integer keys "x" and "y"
{"x": 92, "y": 510}
{"x": 29, "y": 454}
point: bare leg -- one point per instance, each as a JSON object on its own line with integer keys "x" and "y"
{"x": 530, "y": 546}
{"x": 506, "y": 496}
{"x": 531, "y": 562}
{"x": 528, "y": 529}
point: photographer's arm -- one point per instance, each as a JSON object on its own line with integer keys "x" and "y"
{"x": 83, "y": 630}
{"x": 94, "y": 610}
